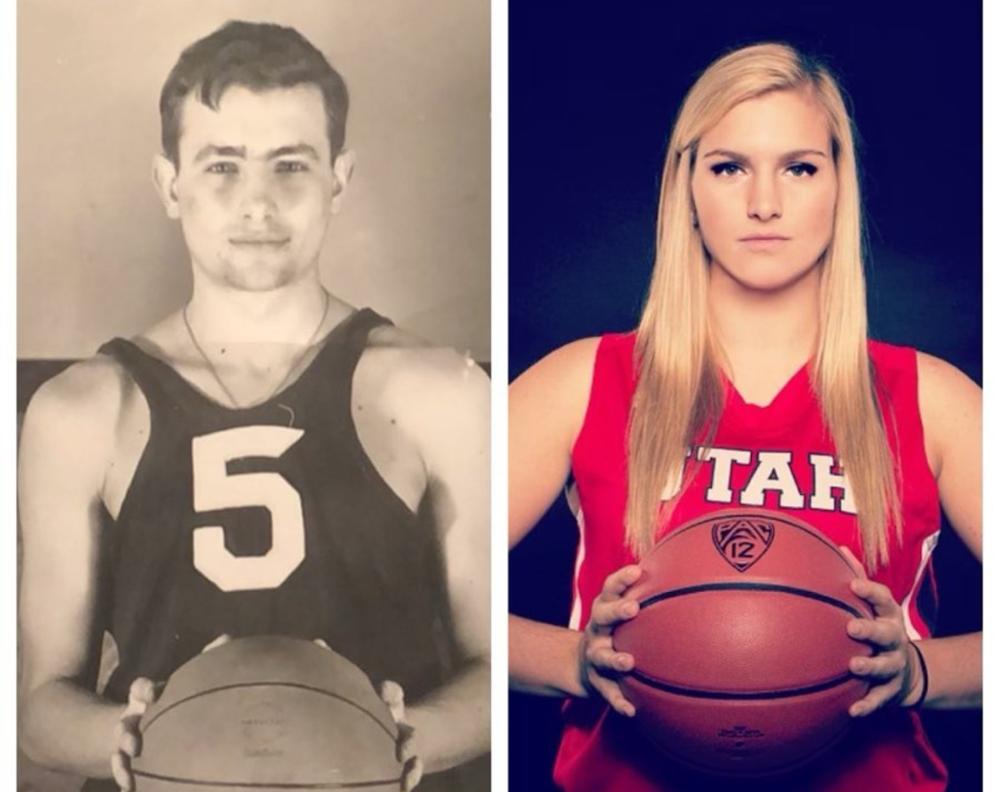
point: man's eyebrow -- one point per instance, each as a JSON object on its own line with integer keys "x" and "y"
{"x": 796, "y": 154}
{"x": 289, "y": 151}
{"x": 212, "y": 150}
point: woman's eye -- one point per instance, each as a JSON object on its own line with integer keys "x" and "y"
{"x": 222, "y": 167}
{"x": 802, "y": 169}
{"x": 726, "y": 168}
{"x": 291, "y": 166}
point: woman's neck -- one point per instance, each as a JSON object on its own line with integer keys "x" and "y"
{"x": 764, "y": 337}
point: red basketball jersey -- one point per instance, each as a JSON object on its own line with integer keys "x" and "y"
{"x": 779, "y": 457}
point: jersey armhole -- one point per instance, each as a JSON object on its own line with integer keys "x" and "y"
{"x": 600, "y": 354}
{"x": 900, "y": 404}
{"x": 925, "y": 462}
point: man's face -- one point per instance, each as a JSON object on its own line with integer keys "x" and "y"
{"x": 255, "y": 187}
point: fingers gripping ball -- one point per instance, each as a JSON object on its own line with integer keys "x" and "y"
{"x": 268, "y": 714}
{"x": 741, "y": 646}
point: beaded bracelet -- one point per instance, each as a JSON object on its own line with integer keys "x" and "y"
{"x": 923, "y": 670}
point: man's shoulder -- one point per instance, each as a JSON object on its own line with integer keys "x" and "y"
{"x": 427, "y": 388}
{"x": 402, "y": 360}
{"x": 73, "y": 418}
{"x": 86, "y": 390}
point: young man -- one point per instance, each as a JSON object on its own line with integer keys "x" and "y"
{"x": 267, "y": 460}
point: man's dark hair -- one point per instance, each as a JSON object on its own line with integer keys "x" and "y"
{"x": 258, "y": 56}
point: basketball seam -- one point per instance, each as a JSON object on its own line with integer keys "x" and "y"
{"x": 737, "y": 695}
{"x": 236, "y": 686}
{"x": 267, "y": 784}
{"x": 749, "y": 586}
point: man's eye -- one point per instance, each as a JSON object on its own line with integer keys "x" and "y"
{"x": 291, "y": 166}
{"x": 726, "y": 168}
{"x": 222, "y": 167}
{"x": 802, "y": 169}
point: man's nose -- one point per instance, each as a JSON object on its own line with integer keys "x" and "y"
{"x": 258, "y": 199}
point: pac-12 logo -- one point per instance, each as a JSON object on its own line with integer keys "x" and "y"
{"x": 742, "y": 540}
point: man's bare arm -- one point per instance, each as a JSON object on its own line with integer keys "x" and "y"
{"x": 444, "y": 404}
{"x": 66, "y": 441}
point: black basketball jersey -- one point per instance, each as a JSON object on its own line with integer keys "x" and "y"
{"x": 270, "y": 520}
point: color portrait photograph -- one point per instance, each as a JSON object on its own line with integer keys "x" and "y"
{"x": 745, "y": 340}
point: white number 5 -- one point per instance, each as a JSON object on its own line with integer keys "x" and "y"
{"x": 214, "y": 488}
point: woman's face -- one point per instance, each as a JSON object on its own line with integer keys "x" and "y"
{"x": 765, "y": 188}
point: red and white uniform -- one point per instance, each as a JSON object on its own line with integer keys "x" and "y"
{"x": 779, "y": 457}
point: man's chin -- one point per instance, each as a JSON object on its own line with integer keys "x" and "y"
{"x": 259, "y": 277}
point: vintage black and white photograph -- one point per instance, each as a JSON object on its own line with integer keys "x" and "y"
{"x": 253, "y": 341}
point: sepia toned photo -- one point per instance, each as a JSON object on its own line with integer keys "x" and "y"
{"x": 253, "y": 400}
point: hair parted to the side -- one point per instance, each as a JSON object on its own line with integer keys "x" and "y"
{"x": 258, "y": 56}
{"x": 679, "y": 396}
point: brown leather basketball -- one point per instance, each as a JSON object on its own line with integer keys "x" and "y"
{"x": 267, "y": 714}
{"x": 740, "y": 644}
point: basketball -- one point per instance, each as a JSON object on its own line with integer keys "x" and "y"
{"x": 267, "y": 713}
{"x": 740, "y": 644}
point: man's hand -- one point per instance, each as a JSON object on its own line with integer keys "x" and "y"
{"x": 392, "y": 695}
{"x": 141, "y": 694}
{"x": 413, "y": 768}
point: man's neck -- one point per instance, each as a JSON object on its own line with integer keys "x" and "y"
{"x": 287, "y": 315}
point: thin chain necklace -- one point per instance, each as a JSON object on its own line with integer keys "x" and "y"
{"x": 295, "y": 363}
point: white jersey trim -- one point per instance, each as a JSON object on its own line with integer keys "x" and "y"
{"x": 926, "y": 549}
{"x": 573, "y": 501}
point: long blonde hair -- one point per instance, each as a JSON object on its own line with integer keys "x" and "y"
{"x": 679, "y": 395}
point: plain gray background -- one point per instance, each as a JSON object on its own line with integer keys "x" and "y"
{"x": 98, "y": 258}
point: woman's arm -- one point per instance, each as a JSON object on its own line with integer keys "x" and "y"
{"x": 951, "y": 674}
{"x": 547, "y": 404}
{"x": 951, "y": 410}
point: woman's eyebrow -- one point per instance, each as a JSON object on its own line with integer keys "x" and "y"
{"x": 734, "y": 155}
{"x": 804, "y": 153}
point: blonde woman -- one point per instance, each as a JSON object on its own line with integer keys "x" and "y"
{"x": 751, "y": 381}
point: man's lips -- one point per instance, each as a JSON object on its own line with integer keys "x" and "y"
{"x": 259, "y": 241}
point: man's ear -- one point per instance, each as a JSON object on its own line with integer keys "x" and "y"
{"x": 165, "y": 181}
{"x": 343, "y": 168}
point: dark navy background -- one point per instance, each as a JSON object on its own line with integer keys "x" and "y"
{"x": 593, "y": 91}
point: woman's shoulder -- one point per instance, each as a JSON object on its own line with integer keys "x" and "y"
{"x": 558, "y": 389}
{"x": 566, "y": 369}
{"x": 935, "y": 377}
{"x": 573, "y": 365}
{"x": 947, "y": 401}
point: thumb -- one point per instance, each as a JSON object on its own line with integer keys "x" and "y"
{"x": 141, "y": 693}
{"x": 217, "y": 642}
{"x": 392, "y": 695}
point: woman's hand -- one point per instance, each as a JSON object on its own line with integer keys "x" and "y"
{"x": 890, "y": 671}
{"x": 600, "y": 664}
